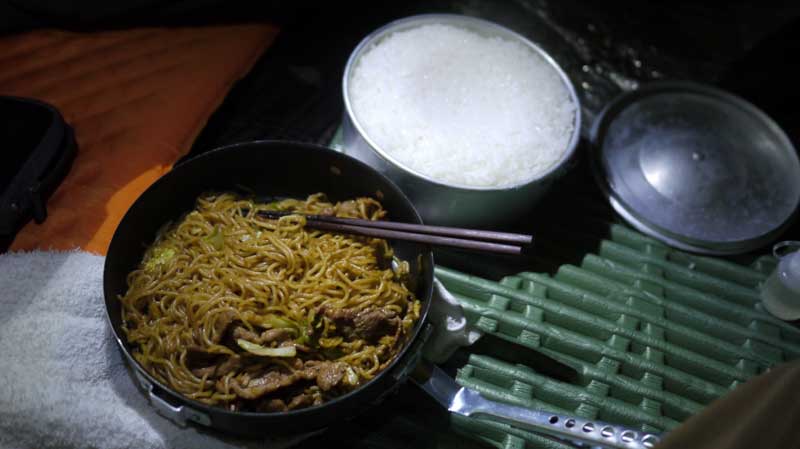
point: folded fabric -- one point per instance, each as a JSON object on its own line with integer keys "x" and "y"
{"x": 137, "y": 98}
{"x": 63, "y": 382}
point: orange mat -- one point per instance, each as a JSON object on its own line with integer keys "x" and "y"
{"x": 137, "y": 100}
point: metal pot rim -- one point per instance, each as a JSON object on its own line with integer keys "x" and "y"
{"x": 407, "y": 356}
{"x": 411, "y": 22}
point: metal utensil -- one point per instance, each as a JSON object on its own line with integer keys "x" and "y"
{"x": 578, "y": 431}
{"x": 696, "y": 167}
{"x": 438, "y": 202}
{"x": 267, "y": 169}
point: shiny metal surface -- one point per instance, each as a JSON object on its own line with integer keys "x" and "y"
{"x": 697, "y": 168}
{"x": 180, "y": 414}
{"x": 437, "y": 202}
{"x": 468, "y": 402}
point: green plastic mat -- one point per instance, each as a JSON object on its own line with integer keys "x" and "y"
{"x": 654, "y": 334}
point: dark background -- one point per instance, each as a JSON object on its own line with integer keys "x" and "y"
{"x": 294, "y": 92}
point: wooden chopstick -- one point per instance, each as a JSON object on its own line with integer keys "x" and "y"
{"x": 470, "y": 239}
{"x": 470, "y": 234}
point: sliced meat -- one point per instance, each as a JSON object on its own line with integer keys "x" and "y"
{"x": 330, "y": 375}
{"x": 297, "y": 363}
{"x": 339, "y": 315}
{"x": 244, "y": 333}
{"x": 231, "y": 364}
{"x": 198, "y": 357}
{"x": 207, "y": 371}
{"x": 271, "y": 335}
{"x": 221, "y": 323}
{"x": 224, "y": 365}
{"x": 372, "y": 324}
{"x": 299, "y": 347}
{"x": 259, "y": 386}
{"x": 348, "y": 209}
{"x": 343, "y": 319}
{"x": 265, "y": 338}
{"x": 310, "y": 370}
{"x": 300, "y": 401}
{"x": 326, "y": 374}
{"x": 272, "y": 405}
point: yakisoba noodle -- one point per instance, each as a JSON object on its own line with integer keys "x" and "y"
{"x": 233, "y": 309}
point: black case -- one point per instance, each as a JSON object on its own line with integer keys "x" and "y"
{"x": 37, "y": 153}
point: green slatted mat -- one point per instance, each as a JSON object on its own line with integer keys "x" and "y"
{"x": 654, "y": 333}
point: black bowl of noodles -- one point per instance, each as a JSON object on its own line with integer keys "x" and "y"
{"x": 259, "y": 326}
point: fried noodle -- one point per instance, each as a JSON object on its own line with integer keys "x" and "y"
{"x": 236, "y": 310}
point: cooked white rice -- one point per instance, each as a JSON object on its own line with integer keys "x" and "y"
{"x": 462, "y": 108}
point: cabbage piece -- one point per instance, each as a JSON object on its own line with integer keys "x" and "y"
{"x": 270, "y": 321}
{"x": 216, "y": 239}
{"x": 252, "y": 348}
{"x": 277, "y": 322}
{"x": 160, "y": 257}
{"x": 350, "y": 377}
{"x": 304, "y": 337}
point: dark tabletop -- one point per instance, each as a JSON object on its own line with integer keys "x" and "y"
{"x": 294, "y": 93}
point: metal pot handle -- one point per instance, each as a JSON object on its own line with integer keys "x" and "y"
{"x": 560, "y": 426}
{"x": 785, "y": 248}
{"x": 178, "y": 414}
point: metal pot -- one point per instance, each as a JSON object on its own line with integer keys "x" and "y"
{"x": 438, "y": 202}
{"x": 269, "y": 169}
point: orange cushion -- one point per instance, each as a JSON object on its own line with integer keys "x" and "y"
{"x": 137, "y": 100}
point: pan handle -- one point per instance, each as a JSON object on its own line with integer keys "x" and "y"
{"x": 178, "y": 414}
{"x": 553, "y": 424}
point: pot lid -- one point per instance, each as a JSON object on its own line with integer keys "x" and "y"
{"x": 696, "y": 167}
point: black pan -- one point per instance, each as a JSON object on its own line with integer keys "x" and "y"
{"x": 269, "y": 169}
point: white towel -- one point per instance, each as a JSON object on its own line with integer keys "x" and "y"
{"x": 63, "y": 383}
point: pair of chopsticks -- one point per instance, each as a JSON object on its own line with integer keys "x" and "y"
{"x": 468, "y": 239}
